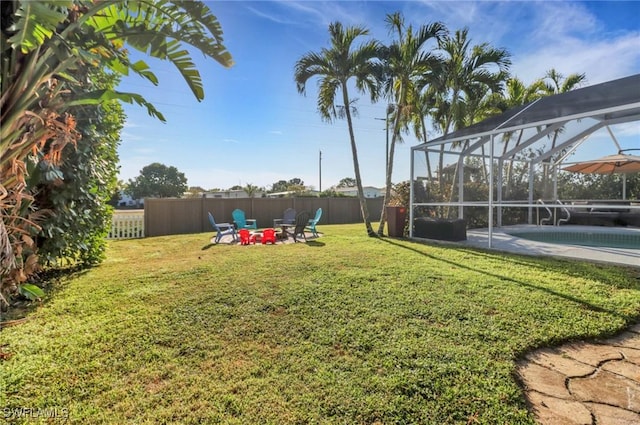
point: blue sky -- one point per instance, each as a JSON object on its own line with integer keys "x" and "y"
{"x": 254, "y": 128}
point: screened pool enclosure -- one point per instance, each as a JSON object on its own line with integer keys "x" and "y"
{"x": 504, "y": 170}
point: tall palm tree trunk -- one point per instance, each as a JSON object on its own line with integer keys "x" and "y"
{"x": 387, "y": 190}
{"x": 426, "y": 154}
{"x": 356, "y": 165}
{"x": 509, "y": 178}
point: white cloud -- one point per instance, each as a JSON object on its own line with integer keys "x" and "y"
{"x": 269, "y": 16}
{"x": 602, "y": 61}
{"x": 553, "y": 21}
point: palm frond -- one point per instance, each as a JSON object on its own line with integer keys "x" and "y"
{"x": 163, "y": 30}
{"x": 101, "y": 96}
{"x": 36, "y": 22}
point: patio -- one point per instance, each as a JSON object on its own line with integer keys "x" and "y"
{"x": 503, "y": 241}
{"x": 539, "y": 139}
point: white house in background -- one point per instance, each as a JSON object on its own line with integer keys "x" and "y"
{"x": 233, "y": 194}
{"x": 128, "y": 201}
{"x": 290, "y": 193}
{"x": 369, "y": 191}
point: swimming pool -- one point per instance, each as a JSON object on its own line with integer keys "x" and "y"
{"x": 609, "y": 238}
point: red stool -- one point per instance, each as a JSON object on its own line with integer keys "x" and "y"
{"x": 268, "y": 235}
{"x": 246, "y": 238}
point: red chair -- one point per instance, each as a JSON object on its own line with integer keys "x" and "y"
{"x": 268, "y": 235}
{"x": 246, "y": 237}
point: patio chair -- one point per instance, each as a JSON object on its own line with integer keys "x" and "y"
{"x": 302, "y": 220}
{"x": 312, "y": 223}
{"x": 222, "y": 229}
{"x": 241, "y": 221}
{"x": 246, "y": 237}
{"x": 268, "y": 235}
{"x": 288, "y": 217}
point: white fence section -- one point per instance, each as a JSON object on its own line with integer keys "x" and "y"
{"x": 127, "y": 224}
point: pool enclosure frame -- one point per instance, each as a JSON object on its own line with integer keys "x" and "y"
{"x": 570, "y": 118}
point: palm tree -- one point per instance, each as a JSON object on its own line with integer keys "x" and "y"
{"x": 468, "y": 72}
{"x": 423, "y": 107}
{"x": 406, "y": 62}
{"x": 464, "y": 67}
{"x": 42, "y": 44}
{"x": 251, "y": 190}
{"x": 517, "y": 94}
{"x": 334, "y": 67}
{"x": 557, "y": 83}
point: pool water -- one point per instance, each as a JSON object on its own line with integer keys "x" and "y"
{"x": 596, "y": 239}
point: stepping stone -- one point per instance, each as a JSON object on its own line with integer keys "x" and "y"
{"x": 591, "y": 354}
{"x": 607, "y": 388}
{"x": 624, "y": 368}
{"x": 555, "y": 411}
{"x": 543, "y": 380}
{"x": 610, "y": 415}
{"x": 555, "y": 360}
{"x": 631, "y": 355}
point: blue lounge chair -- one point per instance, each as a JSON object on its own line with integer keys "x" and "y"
{"x": 222, "y": 229}
{"x": 242, "y": 222}
{"x": 312, "y": 223}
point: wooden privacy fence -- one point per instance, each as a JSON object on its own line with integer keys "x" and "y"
{"x": 127, "y": 224}
{"x": 183, "y": 216}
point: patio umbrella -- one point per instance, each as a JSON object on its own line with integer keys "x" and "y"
{"x": 610, "y": 164}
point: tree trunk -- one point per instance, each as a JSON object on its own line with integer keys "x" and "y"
{"x": 387, "y": 190}
{"x": 426, "y": 154}
{"x": 509, "y": 178}
{"x": 356, "y": 166}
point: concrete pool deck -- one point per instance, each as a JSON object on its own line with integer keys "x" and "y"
{"x": 503, "y": 241}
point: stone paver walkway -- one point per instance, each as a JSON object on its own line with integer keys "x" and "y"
{"x": 585, "y": 383}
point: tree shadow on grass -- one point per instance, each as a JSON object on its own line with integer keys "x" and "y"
{"x": 587, "y": 305}
{"x": 614, "y": 275}
{"x": 605, "y": 273}
{"x": 315, "y": 244}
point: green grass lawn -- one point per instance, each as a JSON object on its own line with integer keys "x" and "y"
{"x": 345, "y": 329}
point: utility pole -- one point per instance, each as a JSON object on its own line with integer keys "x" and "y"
{"x": 386, "y": 150}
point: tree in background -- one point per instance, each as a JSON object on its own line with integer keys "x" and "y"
{"x": 557, "y": 83}
{"x": 334, "y": 67}
{"x": 407, "y": 62}
{"x": 597, "y": 186}
{"x": 516, "y": 94}
{"x": 467, "y": 71}
{"x": 295, "y": 184}
{"x": 347, "y": 182}
{"x": 42, "y": 43}
{"x": 251, "y": 190}
{"x": 194, "y": 192}
{"x": 158, "y": 181}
